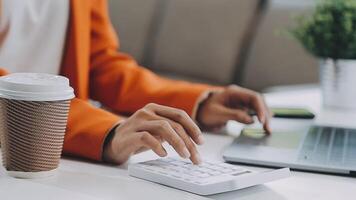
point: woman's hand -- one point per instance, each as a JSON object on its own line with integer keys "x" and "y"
{"x": 233, "y": 103}
{"x": 148, "y": 128}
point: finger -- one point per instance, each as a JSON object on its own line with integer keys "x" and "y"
{"x": 128, "y": 146}
{"x": 260, "y": 108}
{"x": 226, "y": 114}
{"x": 266, "y": 125}
{"x": 267, "y": 128}
{"x": 251, "y": 98}
{"x": 164, "y": 130}
{"x": 194, "y": 155}
{"x": 151, "y": 142}
{"x": 266, "y": 112}
{"x": 264, "y": 115}
{"x": 257, "y": 103}
{"x": 182, "y": 118}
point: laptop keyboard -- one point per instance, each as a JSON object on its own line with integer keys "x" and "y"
{"x": 329, "y": 146}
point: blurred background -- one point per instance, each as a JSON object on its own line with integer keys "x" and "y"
{"x": 217, "y": 41}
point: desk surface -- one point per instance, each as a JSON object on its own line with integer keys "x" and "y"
{"x": 77, "y": 179}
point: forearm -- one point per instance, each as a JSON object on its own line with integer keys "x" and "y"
{"x": 128, "y": 88}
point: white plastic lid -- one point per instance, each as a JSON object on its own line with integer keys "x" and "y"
{"x": 35, "y": 87}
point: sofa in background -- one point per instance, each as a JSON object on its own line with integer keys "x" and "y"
{"x": 216, "y": 41}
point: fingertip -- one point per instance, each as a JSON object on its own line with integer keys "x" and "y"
{"x": 197, "y": 160}
{"x": 162, "y": 153}
{"x": 268, "y": 129}
{"x": 200, "y": 140}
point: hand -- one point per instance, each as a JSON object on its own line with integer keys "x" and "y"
{"x": 233, "y": 103}
{"x": 148, "y": 128}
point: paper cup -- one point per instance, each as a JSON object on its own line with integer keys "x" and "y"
{"x": 33, "y": 119}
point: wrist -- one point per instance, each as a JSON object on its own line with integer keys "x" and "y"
{"x": 108, "y": 149}
{"x": 200, "y": 111}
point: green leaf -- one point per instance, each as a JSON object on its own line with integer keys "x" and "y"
{"x": 330, "y": 31}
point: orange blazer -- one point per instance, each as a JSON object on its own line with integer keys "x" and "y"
{"x": 97, "y": 70}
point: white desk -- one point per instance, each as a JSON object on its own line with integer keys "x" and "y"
{"x": 79, "y": 179}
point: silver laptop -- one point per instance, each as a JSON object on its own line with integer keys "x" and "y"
{"x": 311, "y": 148}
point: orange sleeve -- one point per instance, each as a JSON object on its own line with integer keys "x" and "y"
{"x": 119, "y": 83}
{"x": 87, "y": 129}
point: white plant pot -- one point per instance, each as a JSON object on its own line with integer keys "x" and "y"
{"x": 338, "y": 83}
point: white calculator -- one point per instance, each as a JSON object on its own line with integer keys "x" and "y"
{"x": 204, "y": 179}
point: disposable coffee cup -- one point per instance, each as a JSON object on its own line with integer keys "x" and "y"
{"x": 33, "y": 118}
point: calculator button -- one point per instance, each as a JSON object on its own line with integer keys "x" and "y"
{"x": 204, "y": 170}
{"x": 203, "y": 175}
{"x": 225, "y": 165}
{"x": 226, "y": 170}
{"x": 215, "y": 173}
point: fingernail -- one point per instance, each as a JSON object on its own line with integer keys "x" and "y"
{"x": 198, "y": 159}
{"x": 164, "y": 153}
{"x": 200, "y": 139}
{"x": 186, "y": 153}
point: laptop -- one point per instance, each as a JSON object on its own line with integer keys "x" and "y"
{"x": 300, "y": 145}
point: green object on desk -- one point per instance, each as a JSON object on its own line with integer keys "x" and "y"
{"x": 300, "y": 113}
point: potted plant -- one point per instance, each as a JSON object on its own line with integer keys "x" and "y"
{"x": 330, "y": 34}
